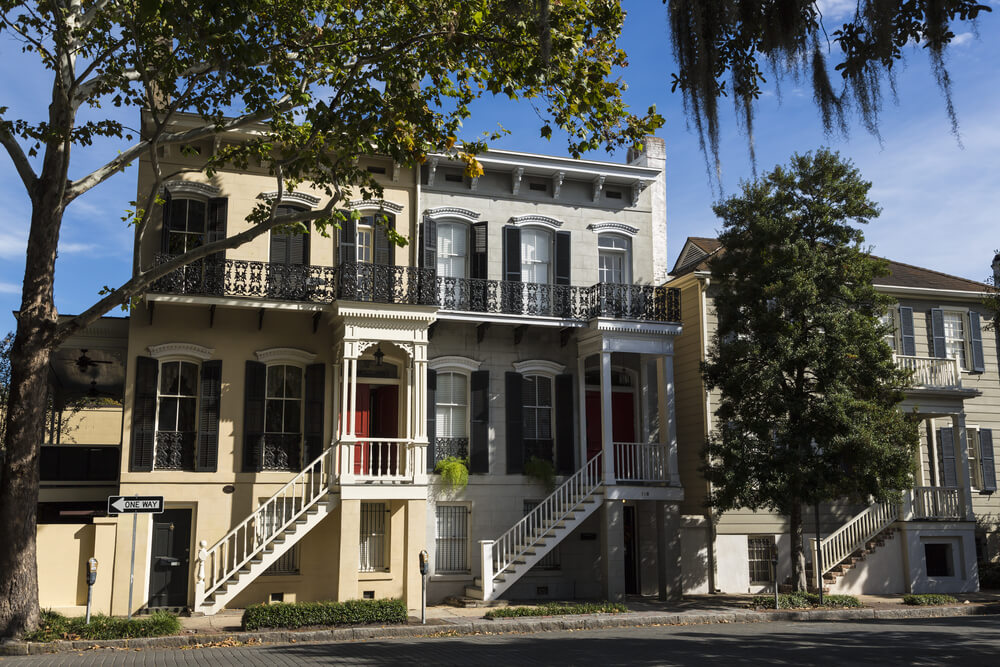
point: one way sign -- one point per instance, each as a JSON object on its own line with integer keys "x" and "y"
{"x": 135, "y": 504}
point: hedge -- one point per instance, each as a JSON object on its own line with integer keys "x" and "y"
{"x": 558, "y": 609}
{"x": 804, "y": 601}
{"x": 54, "y": 626}
{"x": 305, "y": 614}
{"x": 928, "y": 599}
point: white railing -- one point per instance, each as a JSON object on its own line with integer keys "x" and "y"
{"x": 499, "y": 554}
{"x": 850, "y": 537}
{"x": 381, "y": 459}
{"x": 932, "y": 372}
{"x": 937, "y": 502}
{"x": 641, "y": 462}
{"x": 216, "y": 565}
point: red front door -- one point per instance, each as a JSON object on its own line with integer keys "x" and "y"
{"x": 622, "y": 419}
{"x": 362, "y": 428}
{"x": 376, "y": 415}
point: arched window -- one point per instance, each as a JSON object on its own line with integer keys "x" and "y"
{"x": 283, "y": 417}
{"x": 176, "y": 415}
{"x": 614, "y": 259}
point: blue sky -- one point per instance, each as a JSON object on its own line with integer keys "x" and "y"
{"x": 941, "y": 202}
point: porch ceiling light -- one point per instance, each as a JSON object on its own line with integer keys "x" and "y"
{"x": 379, "y": 355}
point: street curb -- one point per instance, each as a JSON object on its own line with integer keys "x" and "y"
{"x": 499, "y": 626}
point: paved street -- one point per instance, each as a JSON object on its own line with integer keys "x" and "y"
{"x": 964, "y": 641}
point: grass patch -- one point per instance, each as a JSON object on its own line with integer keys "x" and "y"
{"x": 54, "y": 626}
{"x": 306, "y": 614}
{"x": 928, "y": 599}
{"x": 558, "y": 609}
{"x": 805, "y": 601}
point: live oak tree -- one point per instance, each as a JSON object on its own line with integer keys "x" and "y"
{"x": 734, "y": 42}
{"x": 303, "y": 86}
{"x": 808, "y": 385}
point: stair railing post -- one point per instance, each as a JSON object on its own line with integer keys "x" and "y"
{"x": 486, "y": 549}
{"x": 199, "y": 582}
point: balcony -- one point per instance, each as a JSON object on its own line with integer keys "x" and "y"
{"x": 414, "y": 286}
{"x": 938, "y": 503}
{"x": 931, "y": 372}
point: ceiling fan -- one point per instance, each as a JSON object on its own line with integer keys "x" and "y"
{"x": 83, "y": 362}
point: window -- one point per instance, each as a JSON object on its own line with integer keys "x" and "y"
{"x": 451, "y": 416}
{"x": 938, "y": 558}
{"x": 186, "y": 225}
{"x": 288, "y": 247}
{"x": 365, "y": 233}
{"x": 614, "y": 259}
{"x": 283, "y": 417}
{"x": 888, "y": 321}
{"x": 537, "y": 398}
{"x": 373, "y": 542}
{"x": 176, "y": 416}
{"x": 760, "y": 551}
{"x": 955, "y": 336}
{"x": 452, "y": 249}
{"x": 451, "y": 544}
{"x": 536, "y": 256}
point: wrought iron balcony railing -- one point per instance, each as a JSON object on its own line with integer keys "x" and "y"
{"x": 414, "y": 286}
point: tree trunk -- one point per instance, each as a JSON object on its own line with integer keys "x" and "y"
{"x": 799, "y": 582}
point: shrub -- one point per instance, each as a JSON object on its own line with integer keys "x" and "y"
{"x": 804, "y": 601}
{"x": 304, "y": 614}
{"x": 54, "y": 626}
{"x": 928, "y": 599}
{"x": 989, "y": 575}
{"x": 454, "y": 472}
{"x": 558, "y": 609}
{"x": 541, "y": 470}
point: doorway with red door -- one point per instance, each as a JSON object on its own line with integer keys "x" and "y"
{"x": 376, "y": 426}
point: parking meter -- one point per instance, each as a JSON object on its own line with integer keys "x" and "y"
{"x": 774, "y": 569}
{"x": 425, "y": 568}
{"x": 424, "y": 563}
{"x": 91, "y": 580}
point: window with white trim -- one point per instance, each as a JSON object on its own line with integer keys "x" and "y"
{"x": 176, "y": 415}
{"x": 975, "y": 466}
{"x": 760, "y": 551}
{"x": 451, "y": 543}
{"x": 452, "y": 249}
{"x": 536, "y": 255}
{"x": 451, "y": 418}
{"x": 186, "y": 226}
{"x": 888, "y": 320}
{"x": 956, "y": 337}
{"x": 614, "y": 259}
{"x": 283, "y": 417}
{"x": 365, "y": 236}
{"x": 372, "y": 546}
{"x": 537, "y": 397}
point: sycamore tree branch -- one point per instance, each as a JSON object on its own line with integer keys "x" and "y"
{"x": 86, "y": 88}
{"x": 20, "y": 160}
{"x": 91, "y": 14}
{"x": 139, "y": 283}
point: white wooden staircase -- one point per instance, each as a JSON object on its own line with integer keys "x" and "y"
{"x": 235, "y": 561}
{"x": 510, "y": 556}
{"x": 850, "y": 543}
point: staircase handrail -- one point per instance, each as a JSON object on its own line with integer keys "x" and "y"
{"x": 851, "y": 536}
{"x": 314, "y": 483}
{"x": 553, "y": 509}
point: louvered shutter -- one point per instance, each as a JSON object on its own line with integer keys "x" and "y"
{"x": 314, "y": 402}
{"x": 514, "y": 423}
{"x": 431, "y": 418}
{"x": 217, "y": 214}
{"x": 298, "y": 248}
{"x": 384, "y": 250}
{"x": 511, "y": 254}
{"x": 562, "y": 263}
{"x": 987, "y": 461}
{"x": 348, "y": 240}
{"x": 976, "y": 340}
{"x": 144, "y": 414}
{"x": 946, "y": 446}
{"x": 564, "y": 424}
{"x": 479, "y": 251}
{"x": 253, "y": 417}
{"x": 479, "y": 434}
{"x": 165, "y": 218}
{"x": 937, "y": 333}
{"x": 427, "y": 253}
{"x": 208, "y": 417}
{"x": 279, "y": 247}
{"x": 906, "y": 333}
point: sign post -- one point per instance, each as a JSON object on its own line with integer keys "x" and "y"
{"x": 134, "y": 505}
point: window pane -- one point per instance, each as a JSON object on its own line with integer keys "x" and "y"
{"x": 458, "y": 422}
{"x": 178, "y": 213}
{"x": 188, "y": 380}
{"x": 544, "y": 390}
{"x": 293, "y": 423}
{"x": 196, "y": 216}
{"x": 293, "y": 382}
{"x": 168, "y": 415}
{"x": 168, "y": 377}
{"x": 272, "y": 416}
{"x": 544, "y": 423}
{"x": 186, "y": 415}
{"x": 275, "y": 381}
{"x": 177, "y": 244}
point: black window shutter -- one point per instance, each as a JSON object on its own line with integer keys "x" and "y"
{"x": 314, "y": 400}
{"x": 431, "y": 418}
{"x": 144, "y": 414}
{"x": 279, "y": 247}
{"x": 946, "y": 443}
{"x": 515, "y": 426}
{"x": 348, "y": 240}
{"x": 937, "y": 332}
{"x": 165, "y": 214}
{"x": 208, "y": 417}
{"x": 976, "y": 339}
{"x": 562, "y": 258}
{"x": 480, "y": 247}
{"x": 906, "y": 333}
{"x": 987, "y": 461}
{"x": 512, "y": 253}
{"x": 479, "y": 440}
{"x": 384, "y": 252}
{"x": 427, "y": 253}
{"x": 564, "y": 424}
{"x": 217, "y": 214}
{"x": 298, "y": 248}
{"x": 253, "y": 417}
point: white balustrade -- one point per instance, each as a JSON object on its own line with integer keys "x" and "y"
{"x": 853, "y": 535}
{"x": 937, "y": 502}
{"x": 932, "y": 372}
{"x": 378, "y": 459}
{"x": 641, "y": 462}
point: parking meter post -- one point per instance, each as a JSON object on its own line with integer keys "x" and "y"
{"x": 424, "y": 560}
{"x": 131, "y": 568}
{"x": 91, "y": 579}
{"x": 774, "y": 567}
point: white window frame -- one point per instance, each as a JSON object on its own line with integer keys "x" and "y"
{"x": 548, "y": 234}
{"x": 624, "y": 253}
{"x": 457, "y": 365}
{"x": 891, "y": 318}
{"x": 168, "y": 227}
{"x": 189, "y": 353}
{"x": 301, "y": 398}
{"x": 963, "y": 318}
{"x": 364, "y": 232}
{"x": 438, "y": 538}
{"x": 750, "y": 561}
{"x": 464, "y": 229}
{"x": 378, "y": 560}
{"x": 972, "y": 443}
{"x": 468, "y": 399}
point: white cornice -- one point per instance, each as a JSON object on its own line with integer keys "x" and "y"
{"x": 289, "y": 355}
{"x": 380, "y": 204}
{"x": 931, "y": 292}
{"x": 619, "y": 227}
{"x": 191, "y": 188}
{"x": 454, "y": 362}
{"x": 538, "y": 367}
{"x": 535, "y": 219}
{"x": 299, "y": 198}
{"x": 187, "y": 350}
{"x": 441, "y": 212}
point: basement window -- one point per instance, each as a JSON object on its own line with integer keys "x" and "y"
{"x": 939, "y": 560}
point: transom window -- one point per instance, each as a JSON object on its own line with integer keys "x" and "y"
{"x": 536, "y": 256}
{"x": 283, "y": 409}
{"x": 954, "y": 337}
{"x": 614, "y": 259}
{"x": 452, "y": 249}
{"x": 537, "y": 396}
{"x": 186, "y": 225}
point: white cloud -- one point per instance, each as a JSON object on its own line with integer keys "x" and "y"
{"x": 962, "y": 38}
{"x": 9, "y": 288}
{"x": 837, "y": 9}
{"x": 12, "y": 245}
{"x": 68, "y": 248}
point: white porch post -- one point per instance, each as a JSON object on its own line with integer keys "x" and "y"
{"x": 419, "y": 385}
{"x": 337, "y": 420}
{"x": 667, "y": 401}
{"x": 582, "y": 409}
{"x": 347, "y": 402}
{"x": 607, "y": 435}
{"x": 962, "y": 465}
